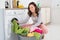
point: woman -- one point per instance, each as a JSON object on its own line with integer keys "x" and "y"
{"x": 33, "y": 12}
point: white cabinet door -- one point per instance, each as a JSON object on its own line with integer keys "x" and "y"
{"x": 45, "y": 15}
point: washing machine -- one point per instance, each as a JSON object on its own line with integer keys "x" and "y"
{"x": 8, "y": 16}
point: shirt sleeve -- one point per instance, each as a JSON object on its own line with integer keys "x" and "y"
{"x": 24, "y": 20}
{"x": 36, "y": 24}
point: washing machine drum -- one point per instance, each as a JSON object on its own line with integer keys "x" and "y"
{"x": 21, "y": 19}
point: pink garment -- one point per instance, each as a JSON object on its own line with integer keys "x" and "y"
{"x": 38, "y": 31}
{"x": 34, "y": 28}
{"x": 43, "y": 29}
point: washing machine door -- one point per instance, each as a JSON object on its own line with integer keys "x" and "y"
{"x": 9, "y": 35}
{"x": 9, "y": 15}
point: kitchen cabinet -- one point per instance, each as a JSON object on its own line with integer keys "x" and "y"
{"x": 45, "y": 15}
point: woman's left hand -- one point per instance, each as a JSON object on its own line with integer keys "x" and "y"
{"x": 44, "y": 28}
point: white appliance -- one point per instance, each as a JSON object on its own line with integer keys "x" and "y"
{"x": 9, "y": 15}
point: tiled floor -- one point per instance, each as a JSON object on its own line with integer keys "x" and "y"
{"x": 54, "y": 32}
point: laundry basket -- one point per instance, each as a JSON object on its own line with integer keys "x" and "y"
{"x": 27, "y": 38}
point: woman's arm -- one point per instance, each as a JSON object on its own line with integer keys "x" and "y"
{"x": 24, "y": 20}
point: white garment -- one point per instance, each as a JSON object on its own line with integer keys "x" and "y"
{"x": 36, "y": 20}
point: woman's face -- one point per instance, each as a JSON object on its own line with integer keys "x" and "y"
{"x": 32, "y": 8}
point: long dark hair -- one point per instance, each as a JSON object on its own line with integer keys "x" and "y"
{"x": 36, "y": 9}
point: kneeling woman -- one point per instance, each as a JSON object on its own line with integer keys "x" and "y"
{"x": 34, "y": 13}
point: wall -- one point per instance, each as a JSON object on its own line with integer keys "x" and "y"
{"x": 55, "y": 11}
{"x": 2, "y": 4}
